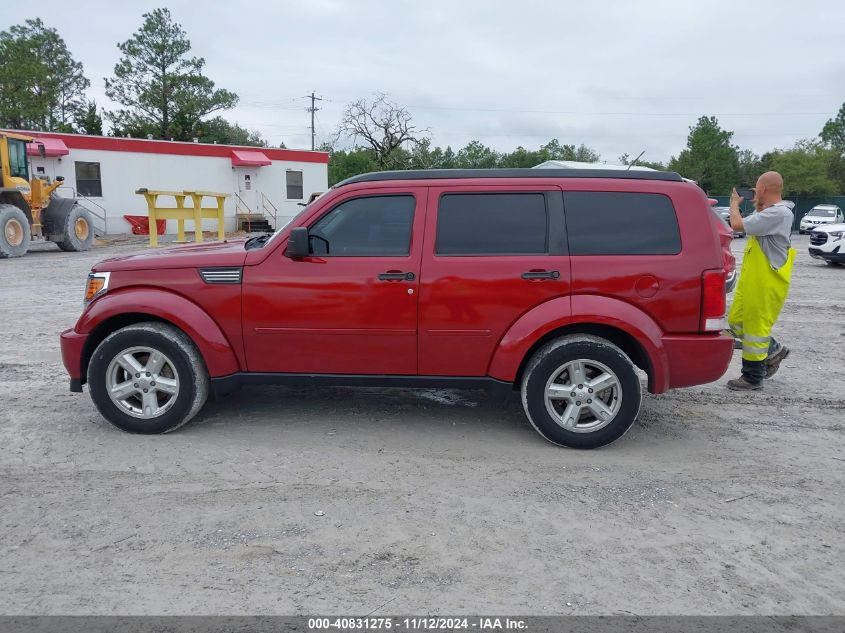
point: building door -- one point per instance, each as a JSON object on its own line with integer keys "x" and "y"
{"x": 250, "y": 198}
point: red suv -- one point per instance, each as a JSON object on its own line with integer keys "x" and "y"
{"x": 557, "y": 283}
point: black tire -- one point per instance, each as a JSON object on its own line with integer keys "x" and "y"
{"x": 546, "y": 363}
{"x": 14, "y": 231}
{"x": 75, "y": 238}
{"x": 192, "y": 376}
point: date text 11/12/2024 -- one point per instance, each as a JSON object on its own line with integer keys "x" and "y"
{"x": 415, "y": 624}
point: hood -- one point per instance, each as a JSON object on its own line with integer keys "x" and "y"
{"x": 228, "y": 253}
{"x": 831, "y": 228}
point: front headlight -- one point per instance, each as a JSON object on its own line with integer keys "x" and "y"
{"x": 837, "y": 235}
{"x": 96, "y": 285}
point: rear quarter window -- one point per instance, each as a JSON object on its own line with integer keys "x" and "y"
{"x": 614, "y": 223}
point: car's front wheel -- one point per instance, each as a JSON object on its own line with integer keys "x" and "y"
{"x": 581, "y": 391}
{"x": 148, "y": 378}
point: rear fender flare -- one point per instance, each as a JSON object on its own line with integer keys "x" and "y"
{"x": 217, "y": 352}
{"x": 562, "y": 312}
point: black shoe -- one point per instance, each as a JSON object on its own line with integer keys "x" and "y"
{"x": 743, "y": 384}
{"x": 773, "y": 362}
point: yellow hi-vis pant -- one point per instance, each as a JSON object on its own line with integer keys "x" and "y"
{"x": 758, "y": 300}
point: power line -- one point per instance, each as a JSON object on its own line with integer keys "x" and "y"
{"x": 598, "y": 113}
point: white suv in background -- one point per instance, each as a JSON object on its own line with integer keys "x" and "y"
{"x": 820, "y": 215}
{"x": 827, "y": 242}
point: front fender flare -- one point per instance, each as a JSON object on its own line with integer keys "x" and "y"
{"x": 572, "y": 311}
{"x": 217, "y": 352}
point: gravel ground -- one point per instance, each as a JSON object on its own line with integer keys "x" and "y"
{"x": 281, "y": 501}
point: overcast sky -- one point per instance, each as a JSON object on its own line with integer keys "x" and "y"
{"x": 617, "y": 76}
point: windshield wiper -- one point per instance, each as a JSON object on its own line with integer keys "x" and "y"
{"x": 257, "y": 242}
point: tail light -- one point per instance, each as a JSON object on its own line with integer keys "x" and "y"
{"x": 713, "y": 302}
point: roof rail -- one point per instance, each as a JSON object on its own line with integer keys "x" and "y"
{"x": 449, "y": 174}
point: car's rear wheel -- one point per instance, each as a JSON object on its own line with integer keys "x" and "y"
{"x": 148, "y": 378}
{"x": 581, "y": 391}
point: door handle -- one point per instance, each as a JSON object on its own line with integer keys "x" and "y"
{"x": 397, "y": 276}
{"x": 541, "y": 274}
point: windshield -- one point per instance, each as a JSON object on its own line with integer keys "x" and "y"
{"x": 822, "y": 213}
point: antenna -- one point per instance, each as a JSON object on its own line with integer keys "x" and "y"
{"x": 634, "y": 162}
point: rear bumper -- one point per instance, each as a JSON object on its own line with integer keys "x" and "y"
{"x": 72, "y": 345}
{"x": 697, "y": 359}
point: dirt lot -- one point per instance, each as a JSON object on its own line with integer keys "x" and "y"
{"x": 433, "y": 501}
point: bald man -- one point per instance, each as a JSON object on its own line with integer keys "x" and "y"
{"x": 763, "y": 282}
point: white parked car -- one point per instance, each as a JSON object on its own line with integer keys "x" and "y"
{"x": 828, "y": 243}
{"x": 820, "y": 215}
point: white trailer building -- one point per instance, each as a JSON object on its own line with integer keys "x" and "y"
{"x": 104, "y": 173}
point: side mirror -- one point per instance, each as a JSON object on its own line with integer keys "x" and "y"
{"x": 298, "y": 243}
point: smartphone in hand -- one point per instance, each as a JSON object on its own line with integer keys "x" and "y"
{"x": 746, "y": 193}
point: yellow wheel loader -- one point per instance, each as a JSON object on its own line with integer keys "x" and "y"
{"x": 29, "y": 210}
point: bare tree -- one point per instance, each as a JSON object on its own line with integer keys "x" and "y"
{"x": 381, "y": 125}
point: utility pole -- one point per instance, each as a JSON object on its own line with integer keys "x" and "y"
{"x": 314, "y": 98}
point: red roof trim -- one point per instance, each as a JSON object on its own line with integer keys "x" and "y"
{"x": 144, "y": 146}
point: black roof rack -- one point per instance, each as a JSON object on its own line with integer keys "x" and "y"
{"x": 437, "y": 174}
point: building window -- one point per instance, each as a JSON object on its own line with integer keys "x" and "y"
{"x": 88, "y": 179}
{"x": 492, "y": 224}
{"x": 294, "y": 185}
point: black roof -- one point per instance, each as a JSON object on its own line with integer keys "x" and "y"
{"x": 436, "y": 174}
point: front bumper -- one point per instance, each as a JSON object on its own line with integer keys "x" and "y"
{"x": 833, "y": 255}
{"x": 72, "y": 344}
{"x": 697, "y": 359}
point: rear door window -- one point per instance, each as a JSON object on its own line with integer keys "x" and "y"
{"x": 615, "y": 223}
{"x": 492, "y": 224}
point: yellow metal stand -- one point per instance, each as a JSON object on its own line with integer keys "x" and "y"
{"x": 180, "y": 212}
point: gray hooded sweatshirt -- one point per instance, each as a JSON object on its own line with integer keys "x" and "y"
{"x": 772, "y": 227}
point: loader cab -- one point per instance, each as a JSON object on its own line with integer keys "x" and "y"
{"x": 14, "y": 161}
{"x": 18, "y": 164}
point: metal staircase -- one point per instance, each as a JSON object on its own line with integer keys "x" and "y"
{"x": 258, "y": 221}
